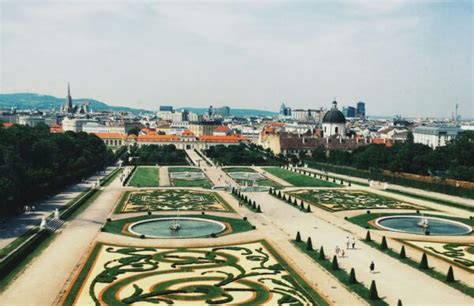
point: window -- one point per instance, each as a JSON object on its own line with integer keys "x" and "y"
{"x": 336, "y": 130}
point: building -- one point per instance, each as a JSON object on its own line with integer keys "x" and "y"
{"x": 334, "y": 122}
{"x": 360, "y": 111}
{"x": 285, "y": 111}
{"x": 201, "y": 128}
{"x": 96, "y": 127}
{"x": 435, "y": 136}
{"x": 68, "y": 108}
{"x": 31, "y": 121}
{"x": 306, "y": 114}
{"x": 349, "y": 111}
{"x": 75, "y": 124}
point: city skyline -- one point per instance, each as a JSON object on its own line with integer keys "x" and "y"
{"x": 397, "y": 56}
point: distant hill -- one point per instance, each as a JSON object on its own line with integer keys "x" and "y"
{"x": 42, "y": 102}
{"x": 238, "y": 112}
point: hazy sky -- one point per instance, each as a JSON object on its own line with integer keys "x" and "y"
{"x": 401, "y": 57}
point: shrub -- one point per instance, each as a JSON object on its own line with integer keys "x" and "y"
{"x": 308, "y": 209}
{"x": 298, "y": 237}
{"x": 424, "y": 262}
{"x": 352, "y": 277}
{"x": 259, "y": 210}
{"x": 373, "y": 295}
{"x": 142, "y": 236}
{"x": 309, "y": 244}
{"x": 450, "y": 276}
{"x": 149, "y": 212}
{"x": 279, "y": 194}
{"x": 335, "y": 264}
{"x": 383, "y": 245}
{"x": 321, "y": 254}
{"x": 399, "y": 303}
{"x": 109, "y": 220}
{"x": 402, "y": 253}
{"x": 367, "y": 237}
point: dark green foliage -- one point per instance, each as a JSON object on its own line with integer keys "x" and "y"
{"x": 322, "y": 256}
{"x": 301, "y": 206}
{"x": 424, "y": 262}
{"x": 254, "y": 206}
{"x": 352, "y": 277}
{"x": 162, "y": 155}
{"x": 308, "y": 209}
{"x": 402, "y": 253}
{"x": 383, "y": 245}
{"x": 259, "y": 210}
{"x": 399, "y": 303}
{"x": 279, "y": 194}
{"x": 450, "y": 275}
{"x": 243, "y": 155}
{"x": 367, "y": 237}
{"x": 298, "y": 237}
{"x": 335, "y": 264}
{"x": 309, "y": 244}
{"x": 373, "y": 291}
{"x": 35, "y": 163}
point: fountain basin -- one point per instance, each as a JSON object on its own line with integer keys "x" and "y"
{"x": 411, "y": 224}
{"x": 189, "y": 228}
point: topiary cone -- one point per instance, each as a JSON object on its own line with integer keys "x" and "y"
{"x": 335, "y": 264}
{"x": 450, "y": 276}
{"x": 424, "y": 262}
{"x": 259, "y": 210}
{"x": 367, "y": 237}
{"x": 352, "y": 277}
{"x": 399, "y": 303}
{"x": 402, "y": 253}
{"x": 308, "y": 209}
{"x": 321, "y": 254}
{"x": 383, "y": 245}
{"x": 298, "y": 237}
{"x": 373, "y": 295}
{"x": 309, "y": 244}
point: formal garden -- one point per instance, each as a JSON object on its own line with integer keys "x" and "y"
{"x": 188, "y": 177}
{"x": 171, "y": 200}
{"x": 247, "y": 274}
{"x": 246, "y": 176}
{"x": 145, "y": 176}
{"x": 297, "y": 179}
{"x": 346, "y": 199}
{"x": 460, "y": 254}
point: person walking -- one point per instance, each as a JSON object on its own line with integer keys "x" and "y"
{"x": 353, "y": 242}
{"x": 348, "y": 243}
{"x": 338, "y": 250}
{"x": 372, "y": 267}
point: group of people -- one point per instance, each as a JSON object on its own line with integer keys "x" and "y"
{"x": 350, "y": 244}
{"x": 29, "y": 209}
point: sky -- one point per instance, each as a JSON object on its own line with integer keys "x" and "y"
{"x": 407, "y": 57}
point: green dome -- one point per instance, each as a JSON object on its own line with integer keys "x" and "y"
{"x": 334, "y": 115}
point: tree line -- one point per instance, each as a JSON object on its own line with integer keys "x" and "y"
{"x": 35, "y": 163}
{"x": 243, "y": 154}
{"x": 155, "y": 154}
{"x": 455, "y": 160}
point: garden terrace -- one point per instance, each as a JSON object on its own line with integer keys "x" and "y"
{"x": 251, "y": 273}
{"x": 145, "y": 177}
{"x": 188, "y": 177}
{"x": 249, "y": 177}
{"x": 347, "y": 199}
{"x": 172, "y": 200}
{"x": 298, "y": 180}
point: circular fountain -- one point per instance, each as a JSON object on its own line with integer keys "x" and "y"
{"x": 423, "y": 225}
{"x": 178, "y": 227}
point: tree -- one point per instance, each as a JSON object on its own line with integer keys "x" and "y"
{"x": 322, "y": 256}
{"x": 298, "y": 237}
{"x": 383, "y": 245}
{"x": 373, "y": 295}
{"x": 309, "y": 244}
{"x": 335, "y": 264}
{"x": 352, "y": 277}
{"x": 424, "y": 262}
{"x": 450, "y": 275}
{"x": 402, "y": 253}
{"x": 367, "y": 236}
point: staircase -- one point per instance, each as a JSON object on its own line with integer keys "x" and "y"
{"x": 54, "y": 224}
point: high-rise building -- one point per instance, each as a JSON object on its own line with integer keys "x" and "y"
{"x": 360, "y": 111}
{"x": 349, "y": 111}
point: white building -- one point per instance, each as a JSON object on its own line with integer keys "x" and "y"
{"x": 334, "y": 122}
{"x": 74, "y": 124}
{"x": 30, "y": 120}
{"x": 435, "y": 136}
{"x": 95, "y": 127}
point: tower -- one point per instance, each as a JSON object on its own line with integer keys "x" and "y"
{"x": 69, "y": 99}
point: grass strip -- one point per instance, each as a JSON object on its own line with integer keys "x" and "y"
{"x": 461, "y": 287}
{"x": 431, "y": 199}
{"x": 340, "y": 274}
{"x": 297, "y": 179}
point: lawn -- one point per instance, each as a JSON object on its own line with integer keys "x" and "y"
{"x": 299, "y": 180}
{"x": 145, "y": 177}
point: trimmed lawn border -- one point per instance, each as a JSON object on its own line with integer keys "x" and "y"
{"x": 340, "y": 274}
{"x": 237, "y": 225}
{"x": 461, "y": 287}
{"x": 298, "y": 179}
{"x": 147, "y": 176}
{"x": 287, "y": 200}
{"x": 125, "y": 195}
{"x": 78, "y": 283}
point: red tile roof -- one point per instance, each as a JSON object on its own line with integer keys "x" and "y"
{"x": 226, "y": 139}
{"x": 7, "y": 124}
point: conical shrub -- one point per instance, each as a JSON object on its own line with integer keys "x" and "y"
{"x": 259, "y": 209}
{"x": 352, "y": 277}
{"x": 373, "y": 295}
{"x": 424, "y": 262}
{"x": 450, "y": 275}
{"x": 403, "y": 255}
{"x": 399, "y": 303}
{"x": 308, "y": 209}
{"x": 309, "y": 244}
{"x": 322, "y": 256}
{"x": 367, "y": 237}
{"x": 298, "y": 237}
{"x": 335, "y": 264}
{"x": 383, "y": 245}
